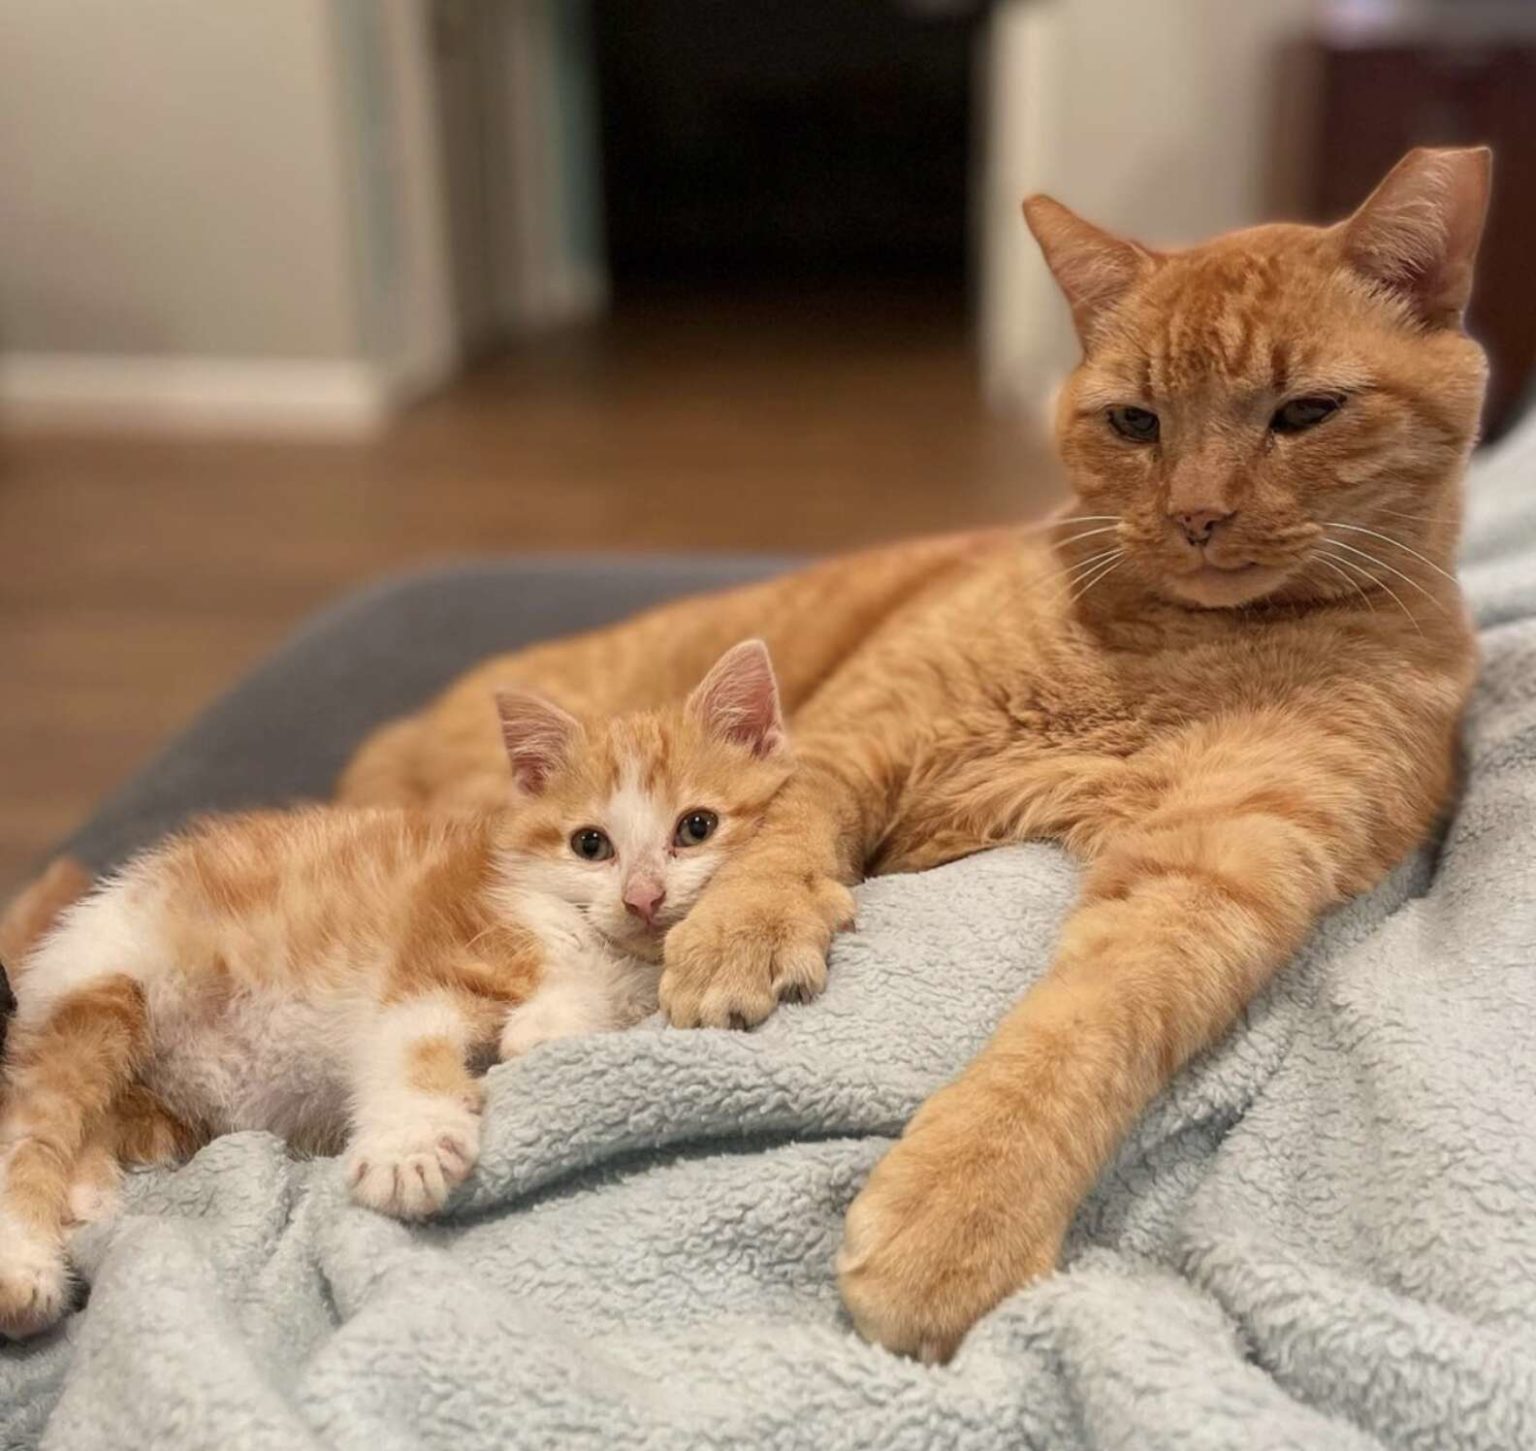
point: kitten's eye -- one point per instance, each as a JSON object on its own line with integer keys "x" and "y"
{"x": 1301, "y": 414}
{"x": 694, "y": 827}
{"x": 1137, "y": 424}
{"x": 591, "y": 845}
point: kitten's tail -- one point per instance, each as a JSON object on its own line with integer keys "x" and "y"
{"x": 65, "y": 1068}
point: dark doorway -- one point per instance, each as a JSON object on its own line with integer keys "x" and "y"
{"x": 785, "y": 142}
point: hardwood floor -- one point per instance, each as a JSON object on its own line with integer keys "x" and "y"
{"x": 140, "y": 575}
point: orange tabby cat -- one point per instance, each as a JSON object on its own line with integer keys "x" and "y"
{"x": 329, "y": 973}
{"x": 1230, "y": 684}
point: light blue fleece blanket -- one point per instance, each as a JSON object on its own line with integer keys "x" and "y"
{"x": 1323, "y": 1235}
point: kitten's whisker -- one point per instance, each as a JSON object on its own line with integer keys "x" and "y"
{"x": 1104, "y": 572}
{"x": 1360, "y": 529}
{"x": 1348, "y": 579}
{"x": 1380, "y": 584}
{"x": 1382, "y": 564}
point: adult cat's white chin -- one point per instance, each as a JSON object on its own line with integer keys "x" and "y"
{"x": 1214, "y": 588}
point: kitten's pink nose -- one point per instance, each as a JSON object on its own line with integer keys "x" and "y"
{"x": 1198, "y": 526}
{"x": 644, "y": 899}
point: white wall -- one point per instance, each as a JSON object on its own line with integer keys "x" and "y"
{"x": 193, "y": 193}
{"x": 171, "y": 175}
{"x": 1151, "y": 118}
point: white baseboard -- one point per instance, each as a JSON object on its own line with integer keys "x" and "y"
{"x": 215, "y": 394}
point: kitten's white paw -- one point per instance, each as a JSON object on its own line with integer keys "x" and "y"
{"x": 34, "y": 1284}
{"x": 545, "y": 1019}
{"x": 408, "y": 1166}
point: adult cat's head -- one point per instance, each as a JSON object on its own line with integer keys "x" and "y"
{"x": 1257, "y": 412}
{"x": 628, "y": 819}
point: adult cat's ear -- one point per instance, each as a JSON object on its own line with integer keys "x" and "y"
{"x": 1417, "y": 233}
{"x": 1093, "y": 268}
{"x": 739, "y": 699}
{"x": 539, "y": 737}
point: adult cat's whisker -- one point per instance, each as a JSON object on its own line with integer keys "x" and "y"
{"x": 1418, "y": 518}
{"x": 1104, "y": 572}
{"x": 1087, "y": 534}
{"x": 1382, "y": 564}
{"x": 1387, "y": 538}
{"x": 1302, "y": 574}
{"x": 1041, "y": 525}
{"x": 1068, "y": 569}
{"x": 1380, "y": 584}
{"x": 1348, "y": 579}
{"x": 1079, "y": 571}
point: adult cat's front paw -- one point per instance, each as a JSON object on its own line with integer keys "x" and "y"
{"x": 407, "y": 1165}
{"x": 747, "y": 947}
{"x": 949, "y": 1224}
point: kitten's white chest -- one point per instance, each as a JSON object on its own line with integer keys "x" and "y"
{"x": 587, "y": 985}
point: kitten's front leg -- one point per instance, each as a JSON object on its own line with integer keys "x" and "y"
{"x": 563, "y": 1006}
{"x": 415, "y": 1107}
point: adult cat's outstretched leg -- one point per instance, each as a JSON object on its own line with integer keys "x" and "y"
{"x": 415, "y": 1107}
{"x": 1188, "y": 909}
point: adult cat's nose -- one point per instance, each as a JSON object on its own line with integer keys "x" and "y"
{"x": 643, "y": 900}
{"x": 1197, "y": 527}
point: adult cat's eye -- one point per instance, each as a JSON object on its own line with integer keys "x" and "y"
{"x": 591, "y": 845}
{"x": 694, "y": 827}
{"x": 1137, "y": 424}
{"x": 1301, "y": 414}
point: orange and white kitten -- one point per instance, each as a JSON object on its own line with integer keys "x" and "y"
{"x": 332, "y": 974}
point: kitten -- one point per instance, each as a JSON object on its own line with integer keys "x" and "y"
{"x": 327, "y": 973}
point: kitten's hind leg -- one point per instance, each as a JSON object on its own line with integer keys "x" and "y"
{"x": 140, "y": 1129}
{"x": 65, "y": 1069}
{"x": 415, "y": 1107}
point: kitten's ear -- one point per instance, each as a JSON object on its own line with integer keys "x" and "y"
{"x": 539, "y": 737}
{"x": 1092, "y": 267}
{"x": 1417, "y": 233}
{"x": 739, "y": 699}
